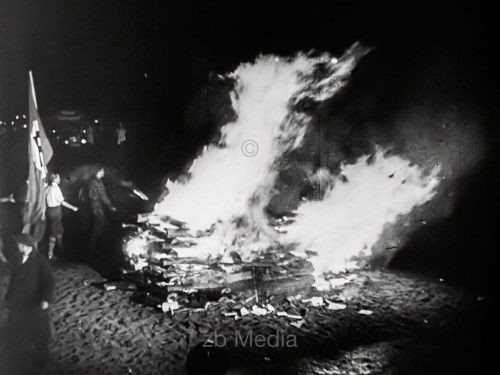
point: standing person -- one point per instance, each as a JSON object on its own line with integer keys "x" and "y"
{"x": 121, "y": 134}
{"x": 29, "y": 295}
{"x": 10, "y": 198}
{"x": 98, "y": 198}
{"x": 90, "y": 134}
{"x": 55, "y": 201}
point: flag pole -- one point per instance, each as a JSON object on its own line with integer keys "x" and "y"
{"x": 32, "y": 87}
{"x": 27, "y": 225}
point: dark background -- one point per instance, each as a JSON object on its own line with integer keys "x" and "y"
{"x": 142, "y": 61}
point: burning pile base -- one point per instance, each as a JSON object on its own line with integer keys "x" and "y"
{"x": 169, "y": 273}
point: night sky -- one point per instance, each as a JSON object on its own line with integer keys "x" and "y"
{"x": 143, "y": 62}
{"x": 134, "y": 59}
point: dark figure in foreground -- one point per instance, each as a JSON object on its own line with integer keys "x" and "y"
{"x": 28, "y": 296}
{"x": 97, "y": 199}
{"x": 4, "y": 200}
{"x": 207, "y": 359}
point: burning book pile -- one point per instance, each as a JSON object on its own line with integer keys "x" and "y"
{"x": 226, "y": 234}
{"x": 170, "y": 270}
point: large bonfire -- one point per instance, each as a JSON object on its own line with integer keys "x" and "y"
{"x": 214, "y": 223}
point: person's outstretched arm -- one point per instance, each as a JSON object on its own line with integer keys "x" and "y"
{"x": 97, "y": 189}
{"x": 70, "y": 206}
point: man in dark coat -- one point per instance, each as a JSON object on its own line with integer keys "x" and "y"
{"x": 4, "y": 200}
{"x": 29, "y": 295}
{"x": 98, "y": 199}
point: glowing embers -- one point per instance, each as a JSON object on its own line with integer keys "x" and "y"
{"x": 164, "y": 263}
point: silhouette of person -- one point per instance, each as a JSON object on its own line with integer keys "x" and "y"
{"x": 10, "y": 198}
{"x": 98, "y": 199}
{"x": 206, "y": 358}
{"x": 121, "y": 134}
{"x": 29, "y": 295}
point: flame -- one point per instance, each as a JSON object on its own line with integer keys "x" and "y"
{"x": 223, "y": 199}
{"x": 365, "y": 197}
{"x": 230, "y": 186}
{"x": 136, "y": 250}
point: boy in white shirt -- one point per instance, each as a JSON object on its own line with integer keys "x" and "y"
{"x": 55, "y": 200}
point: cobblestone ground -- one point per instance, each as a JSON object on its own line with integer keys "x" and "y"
{"x": 414, "y": 324}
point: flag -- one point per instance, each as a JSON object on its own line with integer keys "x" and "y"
{"x": 39, "y": 155}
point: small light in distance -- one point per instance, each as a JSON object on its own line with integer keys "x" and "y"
{"x": 83, "y": 141}
{"x": 66, "y": 142}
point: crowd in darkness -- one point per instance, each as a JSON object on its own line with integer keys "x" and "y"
{"x": 31, "y": 278}
{"x": 27, "y": 257}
